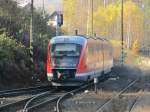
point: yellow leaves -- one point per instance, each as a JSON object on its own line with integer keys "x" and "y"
{"x": 102, "y": 14}
{"x": 132, "y": 11}
{"x": 136, "y": 46}
{"x": 130, "y": 8}
{"x": 106, "y": 20}
{"x": 133, "y": 21}
{"x": 108, "y": 14}
{"x": 105, "y": 17}
{"x": 112, "y": 12}
{"x": 69, "y": 10}
{"x": 116, "y": 42}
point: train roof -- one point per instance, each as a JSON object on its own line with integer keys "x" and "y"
{"x": 77, "y": 39}
{"x": 69, "y": 39}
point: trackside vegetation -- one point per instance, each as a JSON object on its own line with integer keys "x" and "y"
{"x": 15, "y": 65}
{"x": 13, "y": 60}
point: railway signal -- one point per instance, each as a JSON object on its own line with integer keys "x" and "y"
{"x": 60, "y": 19}
{"x": 59, "y": 23}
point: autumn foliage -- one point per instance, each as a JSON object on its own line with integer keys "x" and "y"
{"x": 107, "y": 19}
{"x": 136, "y": 46}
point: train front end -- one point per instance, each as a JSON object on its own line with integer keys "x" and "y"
{"x": 63, "y": 61}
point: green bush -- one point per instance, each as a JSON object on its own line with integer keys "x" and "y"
{"x": 14, "y": 60}
{"x": 14, "y": 46}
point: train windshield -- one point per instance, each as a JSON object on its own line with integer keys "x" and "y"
{"x": 65, "y": 55}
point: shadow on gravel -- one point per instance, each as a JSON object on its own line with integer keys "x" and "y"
{"x": 120, "y": 77}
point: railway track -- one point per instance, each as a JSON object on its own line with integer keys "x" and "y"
{"x": 49, "y": 97}
{"x": 105, "y": 104}
{"x": 56, "y": 97}
{"x": 33, "y": 102}
{"x": 9, "y": 105}
{"x": 39, "y": 100}
{"x": 20, "y": 91}
{"x": 138, "y": 97}
{"x": 71, "y": 93}
{"x": 18, "y": 97}
{"x": 133, "y": 104}
{"x": 18, "y": 106}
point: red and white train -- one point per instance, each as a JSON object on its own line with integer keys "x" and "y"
{"x": 72, "y": 60}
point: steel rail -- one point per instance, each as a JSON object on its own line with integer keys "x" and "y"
{"x": 16, "y": 103}
{"x": 18, "y": 89}
{"x": 135, "y": 101}
{"x": 99, "y": 109}
{"x": 70, "y": 93}
{"x": 49, "y": 100}
{"x": 27, "y": 106}
{"x": 22, "y": 91}
{"x": 8, "y": 105}
{"x": 133, "y": 104}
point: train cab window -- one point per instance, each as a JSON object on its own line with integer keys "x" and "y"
{"x": 65, "y": 55}
{"x": 66, "y": 49}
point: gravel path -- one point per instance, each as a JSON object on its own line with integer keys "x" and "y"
{"x": 142, "y": 104}
{"x": 89, "y": 101}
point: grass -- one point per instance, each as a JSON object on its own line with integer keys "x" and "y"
{"x": 130, "y": 58}
{"x": 137, "y": 59}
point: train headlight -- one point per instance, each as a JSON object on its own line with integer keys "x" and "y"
{"x": 49, "y": 76}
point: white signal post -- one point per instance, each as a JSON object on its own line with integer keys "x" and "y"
{"x": 95, "y": 84}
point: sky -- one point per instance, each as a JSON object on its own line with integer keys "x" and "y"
{"x": 50, "y": 5}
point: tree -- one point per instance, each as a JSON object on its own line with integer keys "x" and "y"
{"x": 13, "y": 61}
{"x": 69, "y": 14}
{"x": 136, "y": 47}
{"x": 15, "y": 23}
{"x": 133, "y": 23}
